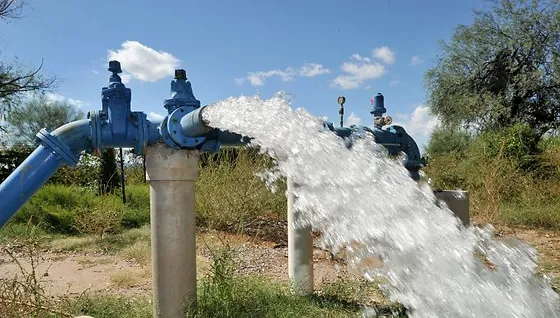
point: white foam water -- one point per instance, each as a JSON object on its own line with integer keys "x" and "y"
{"x": 359, "y": 198}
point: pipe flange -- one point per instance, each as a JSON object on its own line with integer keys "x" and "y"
{"x": 175, "y": 129}
{"x": 58, "y": 147}
{"x": 95, "y": 124}
{"x": 142, "y": 142}
{"x": 164, "y": 132}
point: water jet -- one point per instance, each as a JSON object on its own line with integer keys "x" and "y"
{"x": 171, "y": 147}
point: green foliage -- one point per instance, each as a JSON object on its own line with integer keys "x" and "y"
{"x": 105, "y": 306}
{"x": 72, "y": 210}
{"x": 84, "y": 174}
{"x": 222, "y": 294}
{"x": 108, "y": 174}
{"x": 511, "y": 176}
{"x": 446, "y": 140}
{"x": 502, "y": 70}
{"x": 229, "y": 195}
{"x": 11, "y": 158}
{"x": 37, "y": 113}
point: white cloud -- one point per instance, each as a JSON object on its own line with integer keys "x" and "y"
{"x": 313, "y": 69}
{"x": 125, "y": 77}
{"x": 59, "y": 98}
{"x": 384, "y": 54}
{"x": 325, "y": 118}
{"x": 307, "y": 70}
{"x": 239, "y": 80}
{"x": 152, "y": 116}
{"x": 416, "y": 60}
{"x": 353, "y": 119}
{"x": 94, "y": 72}
{"x": 358, "y": 70}
{"x": 419, "y": 125}
{"x": 394, "y": 82}
{"x": 143, "y": 62}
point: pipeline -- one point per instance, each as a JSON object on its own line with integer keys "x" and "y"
{"x": 114, "y": 126}
{"x": 394, "y": 138}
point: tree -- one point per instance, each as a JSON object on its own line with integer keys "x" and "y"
{"x": 448, "y": 140}
{"x": 501, "y": 70}
{"x": 37, "y": 113}
{"x": 109, "y": 176}
{"x": 17, "y": 80}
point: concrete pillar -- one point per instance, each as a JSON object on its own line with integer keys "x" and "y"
{"x": 458, "y": 203}
{"x": 172, "y": 175}
{"x": 300, "y": 250}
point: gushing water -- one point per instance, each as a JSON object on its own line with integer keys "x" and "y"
{"x": 362, "y": 199}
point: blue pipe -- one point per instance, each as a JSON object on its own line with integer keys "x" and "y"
{"x": 114, "y": 126}
{"x": 394, "y": 138}
{"x": 60, "y": 147}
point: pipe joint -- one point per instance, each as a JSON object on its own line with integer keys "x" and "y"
{"x": 177, "y": 136}
{"x": 58, "y": 147}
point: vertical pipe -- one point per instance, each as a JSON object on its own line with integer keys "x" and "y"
{"x": 341, "y": 113}
{"x": 122, "y": 177}
{"x": 300, "y": 249}
{"x": 172, "y": 175}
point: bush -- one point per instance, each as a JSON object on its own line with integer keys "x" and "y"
{"x": 511, "y": 177}
{"x": 72, "y": 210}
{"x": 229, "y": 195}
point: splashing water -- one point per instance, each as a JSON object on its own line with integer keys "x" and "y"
{"x": 361, "y": 198}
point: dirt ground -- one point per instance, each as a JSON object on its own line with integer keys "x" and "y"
{"x": 73, "y": 273}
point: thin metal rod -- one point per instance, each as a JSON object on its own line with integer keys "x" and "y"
{"x": 122, "y": 177}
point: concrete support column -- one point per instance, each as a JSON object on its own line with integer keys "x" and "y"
{"x": 458, "y": 203}
{"x": 172, "y": 175}
{"x": 300, "y": 250}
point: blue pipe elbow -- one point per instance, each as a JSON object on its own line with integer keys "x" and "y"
{"x": 394, "y": 139}
{"x": 62, "y": 146}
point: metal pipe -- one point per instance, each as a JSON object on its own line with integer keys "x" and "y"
{"x": 55, "y": 149}
{"x": 300, "y": 249}
{"x": 193, "y": 125}
{"x": 172, "y": 175}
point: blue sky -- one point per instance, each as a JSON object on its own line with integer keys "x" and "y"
{"x": 314, "y": 50}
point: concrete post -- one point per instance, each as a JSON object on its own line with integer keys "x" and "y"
{"x": 172, "y": 175}
{"x": 300, "y": 250}
{"x": 458, "y": 203}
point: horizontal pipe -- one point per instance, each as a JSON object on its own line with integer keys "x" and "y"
{"x": 56, "y": 149}
{"x": 193, "y": 125}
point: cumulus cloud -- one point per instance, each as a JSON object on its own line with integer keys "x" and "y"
{"x": 307, "y": 70}
{"x": 143, "y": 62}
{"x": 419, "y": 124}
{"x": 358, "y": 70}
{"x": 353, "y": 119}
{"x": 59, "y": 98}
{"x": 416, "y": 60}
{"x": 384, "y": 54}
{"x": 313, "y": 69}
{"x": 152, "y": 116}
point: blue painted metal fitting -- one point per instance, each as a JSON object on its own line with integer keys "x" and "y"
{"x": 378, "y": 106}
{"x": 115, "y": 125}
{"x": 180, "y": 107}
{"x": 394, "y": 138}
{"x": 58, "y": 147}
